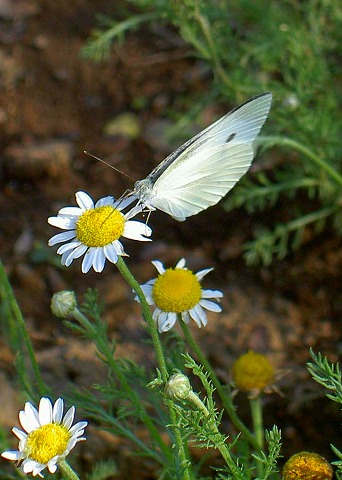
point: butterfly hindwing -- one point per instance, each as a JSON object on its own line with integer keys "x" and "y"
{"x": 215, "y": 172}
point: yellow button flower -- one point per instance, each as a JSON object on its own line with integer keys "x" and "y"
{"x": 46, "y": 438}
{"x": 307, "y": 466}
{"x": 177, "y": 291}
{"x": 94, "y": 230}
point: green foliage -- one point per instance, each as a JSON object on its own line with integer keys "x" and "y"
{"x": 103, "y": 470}
{"x": 329, "y": 375}
{"x": 290, "y": 49}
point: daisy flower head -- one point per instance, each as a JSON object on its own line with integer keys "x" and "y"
{"x": 46, "y": 438}
{"x": 93, "y": 230}
{"x": 177, "y": 291}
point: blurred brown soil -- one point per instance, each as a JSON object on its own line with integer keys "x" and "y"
{"x": 53, "y": 106}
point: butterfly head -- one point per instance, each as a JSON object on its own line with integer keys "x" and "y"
{"x": 143, "y": 189}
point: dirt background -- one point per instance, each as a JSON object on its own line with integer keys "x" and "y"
{"x": 53, "y": 106}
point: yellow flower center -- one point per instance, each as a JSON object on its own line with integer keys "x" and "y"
{"x": 307, "y": 466}
{"x": 100, "y": 226}
{"x": 252, "y": 371}
{"x": 176, "y": 290}
{"x": 46, "y": 442}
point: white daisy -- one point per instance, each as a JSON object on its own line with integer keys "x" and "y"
{"x": 47, "y": 437}
{"x": 94, "y": 230}
{"x": 177, "y": 291}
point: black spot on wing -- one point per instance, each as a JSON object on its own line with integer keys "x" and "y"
{"x": 231, "y": 136}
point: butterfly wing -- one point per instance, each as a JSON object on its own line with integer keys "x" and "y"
{"x": 183, "y": 191}
{"x": 201, "y": 171}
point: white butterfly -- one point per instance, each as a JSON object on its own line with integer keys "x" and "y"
{"x": 203, "y": 170}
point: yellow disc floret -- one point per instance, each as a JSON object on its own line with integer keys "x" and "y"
{"x": 100, "y": 226}
{"x": 176, "y": 290}
{"x": 307, "y": 466}
{"x": 46, "y": 442}
{"x": 252, "y": 371}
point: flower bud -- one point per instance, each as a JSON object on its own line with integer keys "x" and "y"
{"x": 307, "y": 466}
{"x": 252, "y": 371}
{"x": 177, "y": 387}
{"x": 63, "y": 303}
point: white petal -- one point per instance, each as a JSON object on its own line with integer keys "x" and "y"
{"x": 11, "y": 455}
{"x": 57, "y": 412}
{"x": 28, "y": 422}
{"x": 166, "y": 321}
{"x": 52, "y": 467}
{"x": 37, "y": 469}
{"x": 65, "y": 223}
{"x": 29, "y": 465}
{"x": 122, "y": 203}
{"x": 69, "y": 417}
{"x": 137, "y": 231}
{"x": 147, "y": 291}
{"x": 109, "y": 200}
{"x": 68, "y": 246}
{"x": 19, "y": 433}
{"x": 159, "y": 266}
{"x": 212, "y": 294}
{"x": 198, "y": 314}
{"x": 180, "y": 263}
{"x": 79, "y": 251}
{"x": 88, "y": 260}
{"x": 119, "y": 248}
{"x": 203, "y": 273}
{"x": 99, "y": 260}
{"x": 45, "y": 411}
{"x": 110, "y": 253}
{"x": 30, "y": 409}
{"x": 135, "y": 210}
{"x": 70, "y": 212}
{"x": 84, "y": 201}
{"x": 61, "y": 237}
{"x": 68, "y": 257}
{"x": 78, "y": 428}
{"x": 186, "y": 317}
{"x": 213, "y": 307}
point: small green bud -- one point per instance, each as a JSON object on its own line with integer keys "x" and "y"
{"x": 63, "y": 303}
{"x": 178, "y": 387}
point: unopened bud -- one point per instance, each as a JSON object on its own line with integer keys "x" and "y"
{"x": 178, "y": 387}
{"x": 63, "y": 303}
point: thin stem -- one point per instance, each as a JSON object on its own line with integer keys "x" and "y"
{"x": 122, "y": 267}
{"x": 67, "y": 471}
{"x": 15, "y": 314}
{"x": 226, "y": 400}
{"x": 206, "y": 30}
{"x": 216, "y": 436}
{"x": 180, "y": 449}
{"x": 258, "y": 427}
{"x": 284, "y": 141}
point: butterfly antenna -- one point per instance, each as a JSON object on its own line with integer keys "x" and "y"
{"x": 109, "y": 165}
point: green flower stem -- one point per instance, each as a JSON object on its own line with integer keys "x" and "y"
{"x": 226, "y": 400}
{"x": 147, "y": 316}
{"x": 180, "y": 449}
{"x": 284, "y": 141}
{"x": 16, "y": 318}
{"x": 67, "y": 471}
{"x": 216, "y": 436}
{"x": 103, "y": 348}
{"x": 258, "y": 427}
